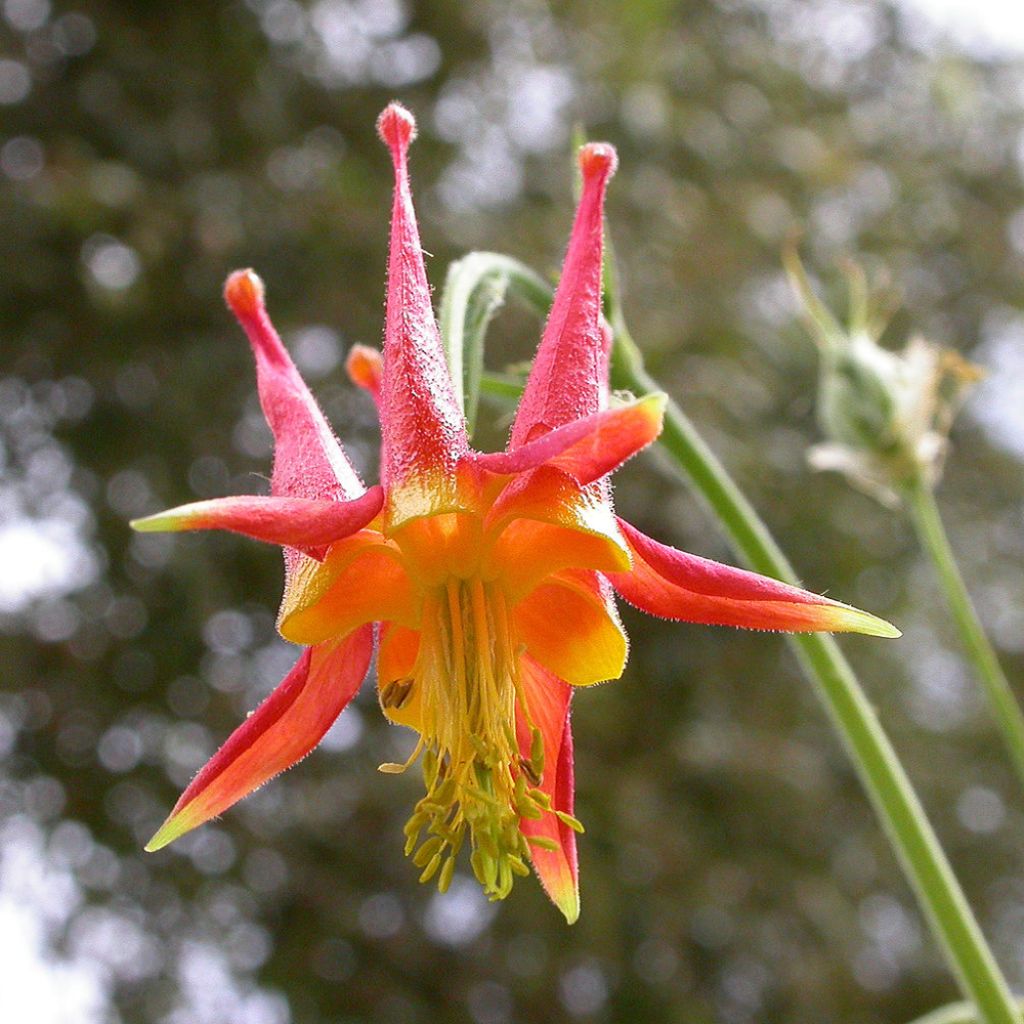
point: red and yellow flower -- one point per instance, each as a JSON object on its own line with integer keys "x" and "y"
{"x": 490, "y": 577}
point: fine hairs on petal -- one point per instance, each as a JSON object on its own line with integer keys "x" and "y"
{"x": 423, "y": 429}
{"x": 569, "y": 378}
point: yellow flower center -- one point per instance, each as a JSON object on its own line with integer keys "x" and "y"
{"x": 465, "y": 683}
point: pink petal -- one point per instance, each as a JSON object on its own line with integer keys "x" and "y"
{"x": 677, "y": 585}
{"x": 548, "y": 698}
{"x": 569, "y": 379}
{"x": 589, "y": 448}
{"x": 423, "y": 429}
{"x": 280, "y": 732}
{"x": 308, "y": 460}
{"x": 308, "y": 525}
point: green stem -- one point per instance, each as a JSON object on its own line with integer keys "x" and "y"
{"x": 953, "y": 1013}
{"x": 474, "y": 290}
{"x": 1005, "y": 709}
{"x": 890, "y": 791}
{"x": 851, "y": 713}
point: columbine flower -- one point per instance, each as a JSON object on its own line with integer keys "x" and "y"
{"x": 490, "y": 576}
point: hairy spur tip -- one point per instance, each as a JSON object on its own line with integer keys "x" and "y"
{"x": 243, "y": 292}
{"x": 598, "y": 160}
{"x": 396, "y": 127}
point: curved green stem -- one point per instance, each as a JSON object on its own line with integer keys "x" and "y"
{"x": 890, "y": 791}
{"x": 880, "y": 771}
{"x": 954, "y": 1013}
{"x": 932, "y": 534}
{"x": 474, "y": 291}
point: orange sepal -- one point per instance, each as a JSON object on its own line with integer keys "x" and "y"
{"x": 588, "y": 448}
{"x": 280, "y": 732}
{"x": 676, "y": 585}
{"x": 309, "y": 525}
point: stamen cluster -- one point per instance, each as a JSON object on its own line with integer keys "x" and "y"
{"x": 467, "y": 682}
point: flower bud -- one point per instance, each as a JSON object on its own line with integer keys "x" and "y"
{"x": 886, "y": 414}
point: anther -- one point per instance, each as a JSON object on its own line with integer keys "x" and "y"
{"x": 415, "y": 823}
{"x": 431, "y": 869}
{"x": 528, "y": 809}
{"x": 518, "y": 867}
{"x": 427, "y": 851}
{"x": 539, "y": 797}
{"x": 395, "y": 694}
{"x": 567, "y": 819}
{"x": 527, "y": 769}
{"x": 543, "y": 843}
{"x": 537, "y": 753}
{"x": 447, "y": 871}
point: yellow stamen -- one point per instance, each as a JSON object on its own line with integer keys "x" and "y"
{"x": 390, "y": 768}
{"x": 467, "y": 680}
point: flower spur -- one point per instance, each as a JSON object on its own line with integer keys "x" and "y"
{"x": 490, "y": 577}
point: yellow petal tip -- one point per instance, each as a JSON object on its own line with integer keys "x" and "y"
{"x": 853, "y": 620}
{"x": 182, "y": 517}
{"x": 173, "y": 828}
{"x": 159, "y": 840}
{"x": 569, "y": 904}
{"x": 151, "y": 524}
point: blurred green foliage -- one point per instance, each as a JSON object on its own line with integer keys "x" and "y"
{"x": 731, "y": 870}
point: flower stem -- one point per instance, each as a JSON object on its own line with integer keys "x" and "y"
{"x": 881, "y": 773}
{"x": 890, "y": 791}
{"x": 474, "y": 291}
{"x": 953, "y": 1013}
{"x": 932, "y": 534}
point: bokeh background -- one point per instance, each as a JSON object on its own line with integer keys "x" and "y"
{"x": 732, "y": 870}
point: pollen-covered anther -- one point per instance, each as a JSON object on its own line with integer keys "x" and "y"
{"x": 396, "y": 693}
{"x": 396, "y": 127}
{"x": 478, "y": 784}
{"x": 243, "y": 292}
{"x": 527, "y": 769}
{"x": 598, "y": 160}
